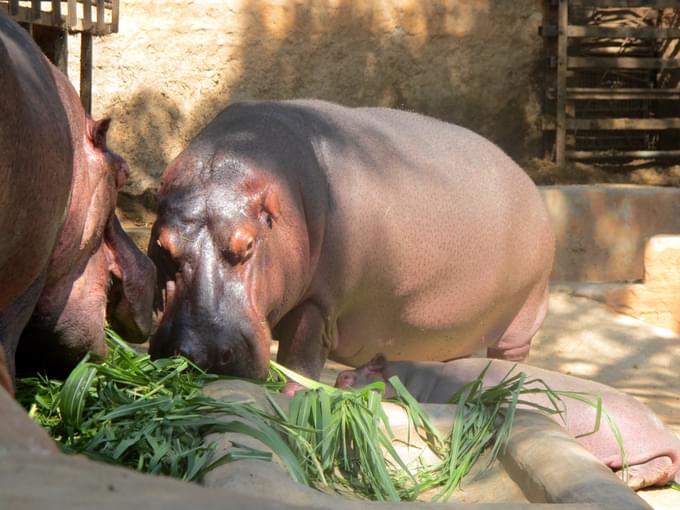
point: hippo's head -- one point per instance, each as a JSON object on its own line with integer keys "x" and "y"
{"x": 93, "y": 258}
{"x": 223, "y": 245}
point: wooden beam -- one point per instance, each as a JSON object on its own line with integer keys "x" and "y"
{"x": 561, "y": 106}
{"x": 623, "y": 124}
{"x": 615, "y": 154}
{"x": 656, "y": 4}
{"x": 586, "y": 93}
{"x": 623, "y": 63}
{"x": 618, "y": 32}
{"x": 24, "y": 16}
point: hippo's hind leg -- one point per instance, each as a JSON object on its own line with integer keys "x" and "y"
{"x": 515, "y": 343}
{"x": 13, "y": 319}
{"x": 655, "y": 472}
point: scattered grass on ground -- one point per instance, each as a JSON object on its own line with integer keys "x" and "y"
{"x": 151, "y": 415}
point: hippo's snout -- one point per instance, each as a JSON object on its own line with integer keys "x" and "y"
{"x": 222, "y": 352}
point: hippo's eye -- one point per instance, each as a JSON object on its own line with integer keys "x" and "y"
{"x": 268, "y": 219}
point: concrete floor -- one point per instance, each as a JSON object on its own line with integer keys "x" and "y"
{"x": 582, "y": 338}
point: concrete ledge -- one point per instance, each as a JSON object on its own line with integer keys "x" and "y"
{"x": 601, "y": 230}
{"x": 551, "y": 467}
{"x": 656, "y": 299}
{"x": 542, "y": 463}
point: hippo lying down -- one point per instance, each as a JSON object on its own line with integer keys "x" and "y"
{"x": 342, "y": 233}
{"x": 651, "y": 451}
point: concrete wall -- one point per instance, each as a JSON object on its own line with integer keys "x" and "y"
{"x": 176, "y": 63}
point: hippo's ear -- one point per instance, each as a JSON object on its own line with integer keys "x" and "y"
{"x": 131, "y": 298}
{"x": 271, "y": 205}
{"x": 96, "y": 132}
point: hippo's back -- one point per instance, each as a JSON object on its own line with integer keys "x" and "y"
{"x": 434, "y": 222}
{"x": 35, "y": 161}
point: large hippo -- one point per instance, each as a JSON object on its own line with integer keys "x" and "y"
{"x": 343, "y": 232}
{"x": 651, "y": 451}
{"x": 36, "y": 168}
{"x": 94, "y": 259}
{"x": 63, "y": 247}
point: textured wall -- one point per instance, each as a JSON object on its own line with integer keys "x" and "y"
{"x": 176, "y": 63}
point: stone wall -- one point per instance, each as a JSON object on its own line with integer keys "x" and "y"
{"x": 176, "y": 63}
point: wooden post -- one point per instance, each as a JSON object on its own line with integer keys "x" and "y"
{"x": 61, "y": 52}
{"x": 561, "y": 107}
{"x": 86, "y": 70}
{"x": 72, "y": 14}
{"x": 101, "y": 16}
{"x": 56, "y": 13}
{"x": 115, "y": 13}
{"x": 35, "y": 9}
{"x": 87, "y": 16}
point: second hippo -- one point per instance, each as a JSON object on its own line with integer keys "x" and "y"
{"x": 651, "y": 451}
{"x": 344, "y": 232}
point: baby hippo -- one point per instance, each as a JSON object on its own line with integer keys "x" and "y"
{"x": 651, "y": 451}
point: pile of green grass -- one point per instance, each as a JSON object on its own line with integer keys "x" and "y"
{"x": 152, "y": 416}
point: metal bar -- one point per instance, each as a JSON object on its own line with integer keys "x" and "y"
{"x": 637, "y": 32}
{"x": 87, "y": 15}
{"x": 615, "y": 154}
{"x": 13, "y": 7}
{"x": 561, "y": 107}
{"x": 86, "y": 70}
{"x": 623, "y": 63}
{"x": 101, "y": 16}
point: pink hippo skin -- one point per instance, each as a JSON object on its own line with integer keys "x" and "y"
{"x": 344, "y": 232}
{"x": 93, "y": 259}
{"x": 651, "y": 450}
{"x": 36, "y": 167}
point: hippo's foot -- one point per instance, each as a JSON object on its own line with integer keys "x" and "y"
{"x": 291, "y": 388}
{"x": 653, "y": 472}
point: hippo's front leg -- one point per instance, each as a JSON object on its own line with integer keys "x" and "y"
{"x": 303, "y": 346}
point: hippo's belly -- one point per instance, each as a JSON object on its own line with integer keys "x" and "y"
{"x": 397, "y": 328}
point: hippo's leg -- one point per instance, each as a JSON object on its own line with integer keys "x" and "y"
{"x": 655, "y": 472}
{"x": 14, "y": 318}
{"x": 302, "y": 346}
{"x": 515, "y": 343}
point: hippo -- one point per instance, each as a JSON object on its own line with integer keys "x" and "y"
{"x": 36, "y": 168}
{"x": 93, "y": 260}
{"x": 63, "y": 248}
{"x": 651, "y": 451}
{"x": 343, "y": 232}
